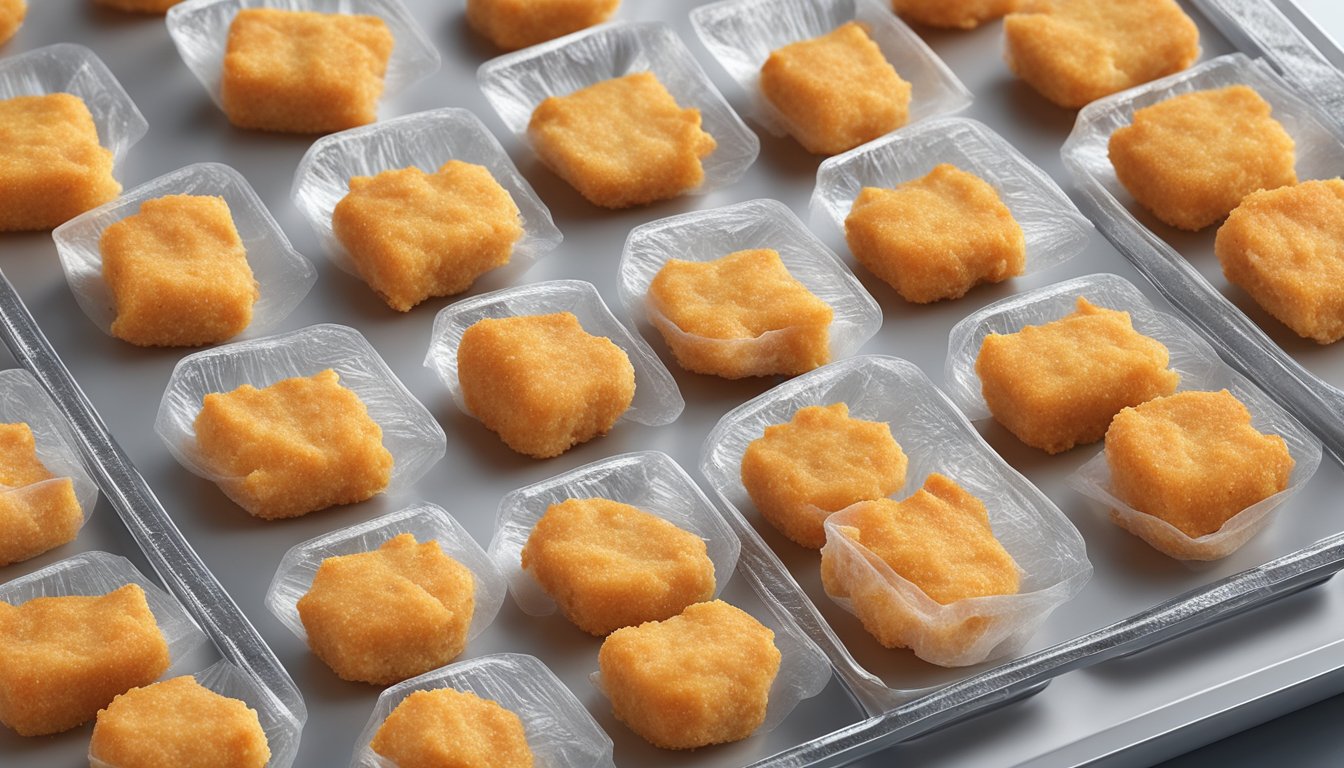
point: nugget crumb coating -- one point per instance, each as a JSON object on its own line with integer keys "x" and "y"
{"x": 179, "y": 723}
{"x": 52, "y": 167}
{"x": 836, "y": 91}
{"x": 700, "y": 678}
{"x": 1058, "y": 384}
{"x": 294, "y": 447}
{"x": 11, "y": 18}
{"x": 1192, "y": 158}
{"x": 1285, "y": 247}
{"x": 936, "y": 237}
{"x": 1194, "y": 460}
{"x": 138, "y": 6}
{"x": 444, "y": 727}
{"x": 610, "y": 565}
{"x": 514, "y": 24}
{"x": 384, "y": 616}
{"x": 744, "y": 296}
{"x": 953, "y": 14}
{"x": 1074, "y": 52}
{"x": 820, "y": 462}
{"x": 178, "y": 273}
{"x": 38, "y": 511}
{"x": 414, "y": 235}
{"x": 302, "y": 71}
{"x": 622, "y": 142}
{"x": 542, "y": 383}
{"x": 64, "y": 658}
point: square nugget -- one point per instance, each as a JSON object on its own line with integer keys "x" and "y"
{"x": 836, "y": 91}
{"x": 52, "y": 167}
{"x": 514, "y": 24}
{"x": 38, "y": 511}
{"x": 138, "y": 6}
{"x": 446, "y": 727}
{"x": 304, "y": 72}
{"x": 953, "y": 14}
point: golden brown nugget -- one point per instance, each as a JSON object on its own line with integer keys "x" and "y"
{"x": 304, "y": 72}
{"x": 700, "y": 678}
{"x": 744, "y": 296}
{"x": 178, "y": 273}
{"x": 1285, "y": 247}
{"x": 940, "y": 540}
{"x": 38, "y": 511}
{"x": 514, "y": 24}
{"x": 384, "y": 616}
{"x": 610, "y": 565}
{"x": 1058, "y": 384}
{"x": 1192, "y": 158}
{"x": 445, "y": 727}
{"x": 414, "y": 235}
{"x": 1194, "y": 460}
{"x": 820, "y": 462}
{"x": 64, "y": 658}
{"x": 936, "y": 237}
{"x": 52, "y": 167}
{"x": 836, "y": 91}
{"x": 300, "y": 445}
{"x": 1074, "y": 52}
{"x": 542, "y": 383}
{"x": 622, "y": 142}
{"x": 11, "y": 18}
{"x": 953, "y": 14}
{"x": 178, "y": 723}
{"x": 138, "y": 6}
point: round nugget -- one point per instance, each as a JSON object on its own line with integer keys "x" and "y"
{"x": 138, "y": 6}
{"x": 11, "y": 18}
{"x": 953, "y": 14}
{"x": 444, "y": 727}
{"x": 178, "y": 723}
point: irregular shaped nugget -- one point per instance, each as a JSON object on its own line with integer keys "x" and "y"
{"x": 514, "y": 24}
{"x": 1192, "y": 158}
{"x": 1285, "y": 247}
{"x": 179, "y": 722}
{"x": 746, "y": 296}
{"x": 622, "y": 142}
{"x": 52, "y": 167}
{"x": 610, "y": 565}
{"x": 1058, "y": 385}
{"x": 64, "y": 658}
{"x": 383, "y": 616}
{"x": 1194, "y": 460}
{"x": 413, "y": 235}
{"x": 836, "y": 91}
{"x": 700, "y": 678}
{"x": 138, "y": 6}
{"x": 953, "y": 14}
{"x": 300, "y": 445}
{"x": 542, "y": 383}
{"x": 820, "y": 462}
{"x": 302, "y": 71}
{"x": 938, "y": 539}
{"x": 444, "y": 727}
{"x": 1074, "y": 52}
{"x": 936, "y": 237}
{"x": 38, "y": 511}
{"x": 178, "y": 273}
{"x": 11, "y": 18}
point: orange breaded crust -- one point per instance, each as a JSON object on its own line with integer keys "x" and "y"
{"x": 38, "y": 511}
{"x": 1194, "y": 460}
{"x": 953, "y": 14}
{"x": 179, "y": 723}
{"x": 444, "y": 727}
{"x": 138, "y": 6}
{"x": 820, "y": 462}
{"x": 52, "y": 167}
{"x": 1192, "y": 158}
{"x": 542, "y": 383}
{"x": 11, "y": 18}
{"x": 294, "y": 447}
{"x": 746, "y": 295}
{"x": 936, "y": 237}
{"x": 610, "y": 565}
{"x": 699, "y": 678}
{"x": 1074, "y": 52}
{"x": 836, "y": 91}
{"x": 414, "y": 235}
{"x": 302, "y": 71}
{"x": 1285, "y": 247}
{"x": 514, "y": 24}
{"x": 1058, "y": 384}
{"x": 64, "y": 658}
{"x": 622, "y": 142}
{"x": 178, "y": 273}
